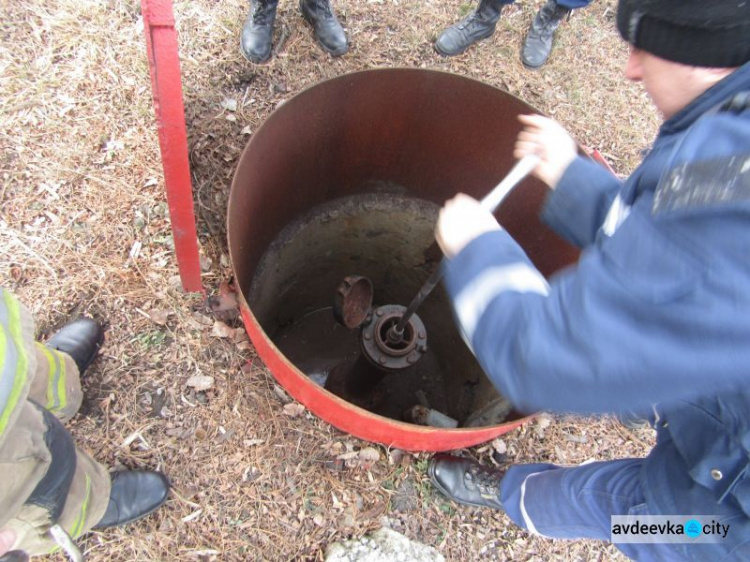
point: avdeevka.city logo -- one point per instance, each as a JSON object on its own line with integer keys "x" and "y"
{"x": 693, "y": 528}
{"x": 668, "y": 529}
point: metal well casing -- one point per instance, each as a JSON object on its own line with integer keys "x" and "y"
{"x": 434, "y": 132}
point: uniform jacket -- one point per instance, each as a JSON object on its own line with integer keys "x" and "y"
{"x": 654, "y": 317}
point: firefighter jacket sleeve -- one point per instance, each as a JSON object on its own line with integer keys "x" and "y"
{"x": 17, "y": 359}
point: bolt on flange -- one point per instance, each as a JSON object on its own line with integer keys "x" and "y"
{"x": 383, "y": 352}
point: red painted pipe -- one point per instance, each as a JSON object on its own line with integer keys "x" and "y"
{"x": 164, "y": 66}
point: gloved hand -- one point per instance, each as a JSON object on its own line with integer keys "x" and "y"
{"x": 551, "y": 142}
{"x": 460, "y": 221}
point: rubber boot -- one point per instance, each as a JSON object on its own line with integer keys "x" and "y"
{"x": 478, "y": 25}
{"x": 255, "y": 42}
{"x": 538, "y": 44}
{"x": 327, "y": 30}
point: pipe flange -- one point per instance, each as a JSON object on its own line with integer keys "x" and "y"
{"x": 386, "y": 354}
{"x": 352, "y": 301}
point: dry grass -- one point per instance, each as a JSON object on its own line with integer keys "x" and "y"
{"x": 82, "y": 184}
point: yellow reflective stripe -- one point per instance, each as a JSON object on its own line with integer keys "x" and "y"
{"x": 50, "y": 376}
{"x": 57, "y": 393}
{"x": 78, "y": 525}
{"x": 19, "y": 382}
{"x": 62, "y": 393}
{"x": 3, "y": 346}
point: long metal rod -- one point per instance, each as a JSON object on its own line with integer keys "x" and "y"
{"x": 490, "y": 202}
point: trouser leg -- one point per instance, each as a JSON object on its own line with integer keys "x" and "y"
{"x": 46, "y": 480}
{"x": 571, "y": 502}
{"x": 56, "y": 383}
{"x": 88, "y": 496}
{"x": 573, "y": 4}
{"x": 578, "y": 502}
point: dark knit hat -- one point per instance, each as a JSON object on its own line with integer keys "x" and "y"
{"x": 711, "y": 33}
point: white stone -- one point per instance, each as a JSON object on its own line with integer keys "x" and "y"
{"x": 385, "y": 545}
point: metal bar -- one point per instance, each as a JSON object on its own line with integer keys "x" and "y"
{"x": 491, "y": 201}
{"x": 166, "y": 85}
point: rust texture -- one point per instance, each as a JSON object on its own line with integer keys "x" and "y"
{"x": 352, "y": 301}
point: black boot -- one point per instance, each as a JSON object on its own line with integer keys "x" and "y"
{"x": 326, "y": 28}
{"x": 135, "y": 494}
{"x": 478, "y": 25}
{"x": 538, "y": 43}
{"x": 81, "y": 339}
{"x": 255, "y": 42}
{"x": 466, "y": 481}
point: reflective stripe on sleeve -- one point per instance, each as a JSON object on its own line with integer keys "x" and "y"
{"x": 474, "y": 299}
{"x": 15, "y": 360}
{"x": 616, "y": 215}
{"x": 8, "y": 358}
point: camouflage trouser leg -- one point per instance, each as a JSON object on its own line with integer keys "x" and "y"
{"x": 31, "y": 460}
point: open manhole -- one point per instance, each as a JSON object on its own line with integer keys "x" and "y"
{"x": 343, "y": 183}
{"x": 386, "y": 238}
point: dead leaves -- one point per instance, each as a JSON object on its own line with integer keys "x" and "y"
{"x": 224, "y": 306}
{"x": 237, "y": 336}
{"x": 293, "y": 409}
{"x": 348, "y": 456}
{"x": 159, "y": 317}
{"x": 221, "y": 330}
{"x": 200, "y": 382}
{"x": 368, "y": 457}
{"x": 281, "y": 394}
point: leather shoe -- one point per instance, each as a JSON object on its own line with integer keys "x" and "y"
{"x": 81, "y": 339}
{"x": 538, "y": 43}
{"x": 478, "y": 25}
{"x": 326, "y": 27}
{"x": 466, "y": 481}
{"x": 255, "y": 41}
{"x": 135, "y": 494}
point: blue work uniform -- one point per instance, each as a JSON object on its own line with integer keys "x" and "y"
{"x": 653, "y": 319}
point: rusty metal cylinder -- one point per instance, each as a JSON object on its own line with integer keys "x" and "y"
{"x": 364, "y": 141}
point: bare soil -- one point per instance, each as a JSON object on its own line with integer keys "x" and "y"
{"x": 84, "y": 229}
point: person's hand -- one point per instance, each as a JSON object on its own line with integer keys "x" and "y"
{"x": 460, "y": 221}
{"x": 547, "y": 139}
{"x": 7, "y": 540}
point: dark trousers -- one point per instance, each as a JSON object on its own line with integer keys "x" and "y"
{"x": 571, "y": 4}
{"x": 578, "y": 502}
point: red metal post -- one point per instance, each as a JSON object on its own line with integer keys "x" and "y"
{"x": 164, "y": 64}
